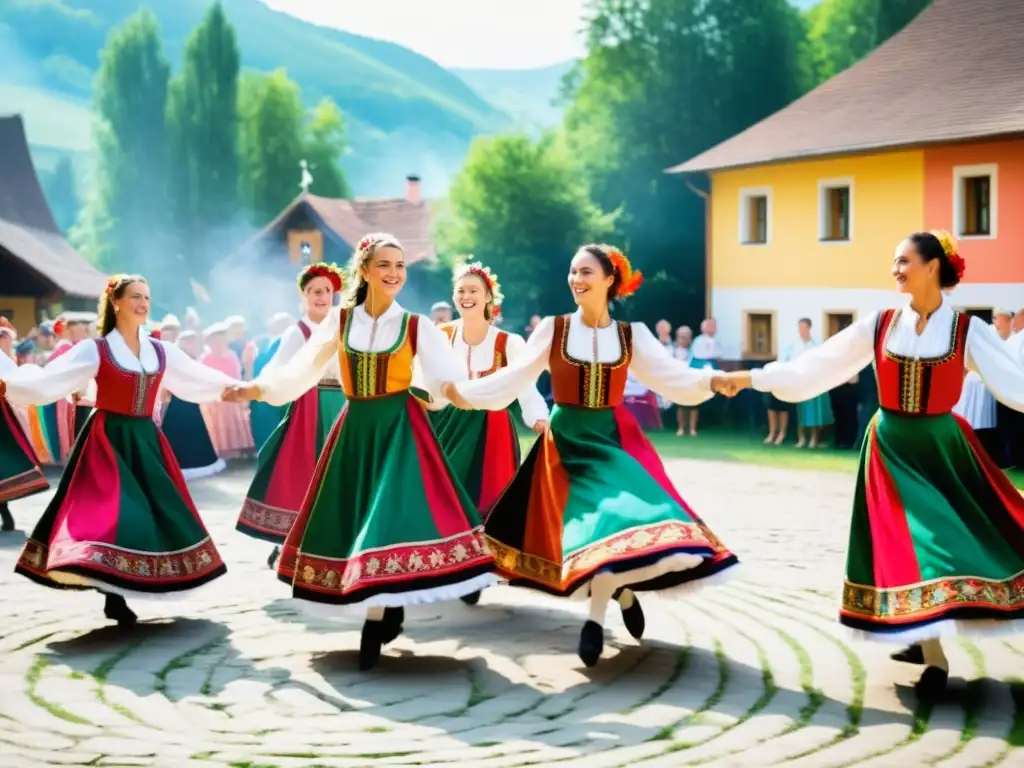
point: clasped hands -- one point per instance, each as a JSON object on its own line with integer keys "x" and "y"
{"x": 730, "y": 384}
{"x": 240, "y": 393}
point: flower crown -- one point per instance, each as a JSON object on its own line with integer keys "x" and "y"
{"x": 372, "y": 241}
{"x": 112, "y": 284}
{"x": 322, "y": 269}
{"x": 629, "y": 279}
{"x": 952, "y": 251}
{"x": 489, "y": 278}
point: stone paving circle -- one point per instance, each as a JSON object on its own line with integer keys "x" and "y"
{"x": 754, "y": 672}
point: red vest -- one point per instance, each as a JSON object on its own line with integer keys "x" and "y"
{"x": 129, "y": 393}
{"x": 585, "y": 384}
{"x": 920, "y": 386}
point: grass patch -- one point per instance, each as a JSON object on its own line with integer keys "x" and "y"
{"x": 376, "y": 729}
{"x": 681, "y": 662}
{"x": 182, "y": 662}
{"x": 32, "y": 678}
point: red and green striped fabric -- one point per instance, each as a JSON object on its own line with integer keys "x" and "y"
{"x": 482, "y": 448}
{"x": 20, "y": 474}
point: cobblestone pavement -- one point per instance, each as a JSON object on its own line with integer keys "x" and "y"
{"x": 750, "y": 673}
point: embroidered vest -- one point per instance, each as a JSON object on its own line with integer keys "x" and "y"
{"x": 925, "y": 386}
{"x": 366, "y": 375}
{"x": 499, "y": 361}
{"x": 586, "y": 384}
{"x": 129, "y": 393}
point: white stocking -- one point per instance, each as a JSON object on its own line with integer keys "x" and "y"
{"x": 601, "y": 590}
{"x": 375, "y": 613}
{"x": 934, "y": 655}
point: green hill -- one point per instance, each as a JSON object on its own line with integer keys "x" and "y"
{"x": 528, "y": 95}
{"x": 405, "y": 112}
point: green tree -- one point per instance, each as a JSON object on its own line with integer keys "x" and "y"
{"x": 522, "y": 208}
{"x": 272, "y": 143}
{"x": 842, "y": 32}
{"x": 62, "y": 194}
{"x": 325, "y": 145}
{"x": 125, "y": 224}
{"x": 202, "y": 119}
{"x": 662, "y": 81}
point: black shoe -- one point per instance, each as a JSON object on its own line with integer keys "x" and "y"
{"x": 6, "y": 519}
{"x": 471, "y": 599}
{"x": 272, "y": 560}
{"x": 633, "y": 618}
{"x": 370, "y": 644}
{"x": 912, "y": 654}
{"x": 391, "y": 624}
{"x": 116, "y": 609}
{"x": 932, "y": 685}
{"x": 591, "y": 643}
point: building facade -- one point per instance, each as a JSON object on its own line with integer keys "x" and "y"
{"x": 807, "y": 207}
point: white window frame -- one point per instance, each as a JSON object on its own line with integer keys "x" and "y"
{"x": 744, "y": 218}
{"x": 824, "y": 185}
{"x": 962, "y": 172}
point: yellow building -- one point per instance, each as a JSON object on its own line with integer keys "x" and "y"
{"x": 807, "y": 206}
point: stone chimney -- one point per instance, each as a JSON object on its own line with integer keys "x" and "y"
{"x": 412, "y": 189}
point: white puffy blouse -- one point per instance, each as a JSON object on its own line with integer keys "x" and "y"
{"x": 652, "y": 365}
{"x": 74, "y": 370}
{"x": 841, "y": 357}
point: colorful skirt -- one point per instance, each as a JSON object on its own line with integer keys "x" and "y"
{"x": 122, "y": 520}
{"x": 286, "y": 465}
{"x": 384, "y": 522}
{"x": 816, "y": 412}
{"x": 20, "y": 474}
{"x": 229, "y": 428}
{"x": 264, "y": 419}
{"x": 592, "y": 497}
{"x": 482, "y": 448}
{"x": 185, "y": 429}
{"x": 937, "y": 538}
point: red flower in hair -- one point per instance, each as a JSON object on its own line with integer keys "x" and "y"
{"x": 322, "y": 269}
{"x": 496, "y": 310}
{"x": 58, "y": 327}
{"x": 112, "y": 284}
{"x": 365, "y": 243}
{"x": 629, "y": 280}
{"x": 958, "y": 264}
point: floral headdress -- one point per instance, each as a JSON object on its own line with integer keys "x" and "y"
{"x": 376, "y": 239}
{"x": 322, "y": 269}
{"x": 952, "y": 251}
{"x": 629, "y": 279}
{"x": 490, "y": 281}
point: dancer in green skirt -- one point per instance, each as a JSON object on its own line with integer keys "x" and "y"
{"x": 483, "y": 446}
{"x": 937, "y": 537}
{"x": 288, "y": 458}
{"x": 122, "y": 521}
{"x": 592, "y": 512}
{"x": 384, "y": 524}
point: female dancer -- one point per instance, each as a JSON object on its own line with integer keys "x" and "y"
{"x": 287, "y": 460}
{"x": 183, "y": 425}
{"x": 384, "y": 523}
{"x": 483, "y": 446}
{"x": 228, "y": 422}
{"x": 592, "y": 511}
{"x": 937, "y": 538}
{"x": 122, "y": 521}
{"x": 20, "y": 473}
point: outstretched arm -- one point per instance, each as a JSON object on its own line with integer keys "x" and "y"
{"x": 71, "y": 372}
{"x": 499, "y": 390}
{"x": 995, "y": 362}
{"x": 659, "y": 371}
{"x": 191, "y": 380}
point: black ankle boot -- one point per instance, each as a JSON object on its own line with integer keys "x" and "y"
{"x": 370, "y": 644}
{"x": 272, "y": 560}
{"x": 912, "y": 654}
{"x": 932, "y": 685}
{"x": 391, "y": 624}
{"x": 116, "y": 609}
{"x": 591, "y": 643}
{"x": 633, "y": 618}
{"x": 471, "y": 599}
{"x": 6, "y": 519}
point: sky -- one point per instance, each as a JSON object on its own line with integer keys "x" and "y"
{"x": 467, "y": 34}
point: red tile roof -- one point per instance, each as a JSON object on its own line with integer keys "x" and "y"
{"x": 955, "y": 72}
{"x": 27, "y": 227}
{"x": 350, "y": 220}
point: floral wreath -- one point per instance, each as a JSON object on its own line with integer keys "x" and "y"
{"x": 112, "y": 284}
{"x": 322, "y": 269}
{"x": 490, "y": 280}
{"x": 952, "y": 251}
{"x": 371, "y": 242}
{"x": 629, "y": 279}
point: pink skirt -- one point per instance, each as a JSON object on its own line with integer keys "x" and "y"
{"x": 230, "y": 429}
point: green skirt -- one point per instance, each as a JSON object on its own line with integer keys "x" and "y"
{"x": 286, "y": 464}
{"x": 20, "y": 474}
{"x": 937, "y": 537}
{"x": 122, "y": 519}
{"x": 593, "y": 497}
{"x": 816, "y": 412}
{"x": 385, "y": 522}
